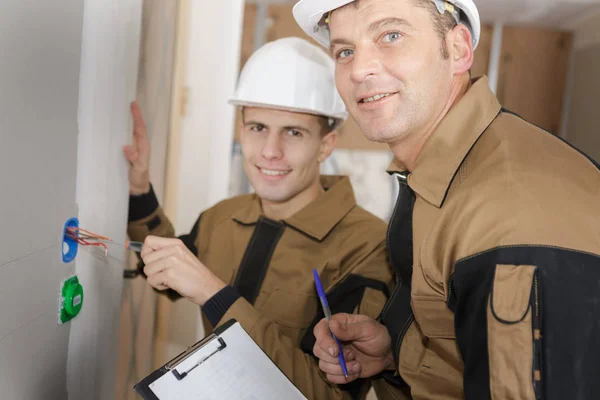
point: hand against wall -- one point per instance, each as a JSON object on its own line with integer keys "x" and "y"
{"x": 170, "y": 265}
{"x": 366, "y": 344}
{"x": 138, "y": 154}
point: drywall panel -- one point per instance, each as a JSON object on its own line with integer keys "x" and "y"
{"x": 40, "y": 43}
{"x": 155, "y": 76}
{"x": 26, "y": 293}
{"x": 39, "y": 74}
{"x": 30, "y": 338}
{"x": 35, "y": 371}
{"x": 109, "y": 63}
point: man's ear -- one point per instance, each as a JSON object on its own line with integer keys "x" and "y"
{"x": 328, "y": 142}
{"x": 460, "y": 46}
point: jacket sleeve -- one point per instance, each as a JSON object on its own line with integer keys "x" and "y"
{"x": 367, "y": 293}
{"x": 526, "y": 321}
{"x": 146, "y": 217}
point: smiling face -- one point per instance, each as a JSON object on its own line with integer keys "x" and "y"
{"x": 390, "y": 71}
{"x": 282, "y": 155}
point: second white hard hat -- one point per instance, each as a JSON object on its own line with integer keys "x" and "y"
{"x": 310, "y": 15}
{"x": 290, "y": 74}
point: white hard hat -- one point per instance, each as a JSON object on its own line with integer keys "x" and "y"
{"x": 311, "y": 15}
{"x": 290, "y": 74}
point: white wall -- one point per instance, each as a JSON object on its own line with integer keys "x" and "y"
{"x": 108, "y": 83}
{"x": 40, "y": 44}
{"x": 45, "y": 173}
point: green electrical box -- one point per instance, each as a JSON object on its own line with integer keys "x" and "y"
{"x": 70, "y": 299}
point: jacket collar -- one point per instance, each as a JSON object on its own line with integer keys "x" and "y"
{"x": 450, "y": 143}
{"x": 319, "y": 217}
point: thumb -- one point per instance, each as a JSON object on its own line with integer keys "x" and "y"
{"x": 130, "y": 153}
{"x": 347, "y": 331}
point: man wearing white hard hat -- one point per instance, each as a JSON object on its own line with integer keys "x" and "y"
{"x": 496, "y": 232}
{"x": 252, "y": 257}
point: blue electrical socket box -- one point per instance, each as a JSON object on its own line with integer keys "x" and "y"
{"x": 69, "y": 246}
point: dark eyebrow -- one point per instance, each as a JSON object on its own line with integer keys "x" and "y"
{"x": 384, "y": 22}
{"x": 374, "y": 26}
{"x": 246, "y": 123}
{"x": 338, "y": 41}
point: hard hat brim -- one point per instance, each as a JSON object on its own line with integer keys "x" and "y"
{"x": 241, "y": 103}
{"x": 309, "y": 13}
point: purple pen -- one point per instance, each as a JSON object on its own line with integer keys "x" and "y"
{"x": 327, "y": 313}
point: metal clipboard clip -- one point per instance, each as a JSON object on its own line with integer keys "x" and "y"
{"x": 171, "y": 365}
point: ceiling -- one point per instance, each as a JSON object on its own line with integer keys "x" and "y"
{"x": 551, "y": 13}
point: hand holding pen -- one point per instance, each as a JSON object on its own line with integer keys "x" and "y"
{"x": 366, "y": 352}
{"x": 327, "y": 313}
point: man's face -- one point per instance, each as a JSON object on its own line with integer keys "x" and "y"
{"x": 389, "y": 67}
{"x": 282, "y": 152}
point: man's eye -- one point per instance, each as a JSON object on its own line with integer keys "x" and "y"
{"x": 295, "y": 133}
{"x": 344, "y": 54}
{"x": 257, "y": 128}
{"x": 391, "y": 37}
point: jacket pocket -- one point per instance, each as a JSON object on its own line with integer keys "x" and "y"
{"x": 512, "y": 317}
{"x": 434, "y": 317}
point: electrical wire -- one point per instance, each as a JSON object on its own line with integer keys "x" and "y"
{"x": 81, "y": 236}
{"x": 87, "y": 238}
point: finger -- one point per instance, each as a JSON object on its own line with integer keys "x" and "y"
{"x": 158, "y": 281}
{"x": 352, "y": 329}
{"x": 353, "y": 368}
{"x": 323, "y": 354}
{"x": 341, "y": 379}
{"x": 349, "y": 355}
{"x": 164, "y": 253}
{"x": 158, "y": 266}
{"x": 153, "y": 243}
{"x": 131, "y": 154}
{"x": 139, "y": 126}
{"x": 324, "y": 339}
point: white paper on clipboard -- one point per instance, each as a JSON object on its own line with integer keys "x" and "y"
{"x": 240, "y": 370}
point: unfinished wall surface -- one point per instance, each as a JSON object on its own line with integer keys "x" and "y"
{"x": 155, "y": 76}
{"x": 67, "y": 72}
{"x": 40, "y": 46}
{"x": 109, "y": 63}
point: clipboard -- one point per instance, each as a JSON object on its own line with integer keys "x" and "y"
{"x": 226, "y": 364}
